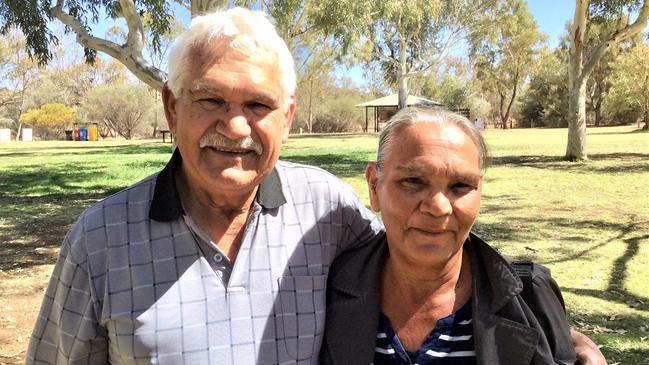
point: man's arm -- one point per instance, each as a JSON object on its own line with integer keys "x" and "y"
{"x": 66, "y": 331}
{"x": 587, "y": 351}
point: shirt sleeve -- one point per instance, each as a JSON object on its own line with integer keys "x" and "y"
{"x": 360, "y": 225}
{"x": 67, "y": 330}
{"x": 550, "y": 311}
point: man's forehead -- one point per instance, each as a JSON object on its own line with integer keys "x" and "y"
{"x": 240, "y": 47}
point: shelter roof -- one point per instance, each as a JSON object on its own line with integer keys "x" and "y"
{"x": 393, "y": 100}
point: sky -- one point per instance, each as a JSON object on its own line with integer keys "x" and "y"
{"x": 551, "y": 16}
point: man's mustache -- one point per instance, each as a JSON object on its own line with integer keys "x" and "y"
{"x": 219, "y": 141}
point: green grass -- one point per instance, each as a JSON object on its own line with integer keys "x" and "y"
{"x": 589, "y": 222}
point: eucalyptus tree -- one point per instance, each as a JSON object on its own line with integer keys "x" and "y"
{"x": 503, "y": 50}
{"x": 583, "y": 62}
{"x": 630, "y": 83}
{"x": 410, "y": 37}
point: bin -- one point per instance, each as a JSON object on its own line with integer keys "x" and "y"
{"x": 75, "y": 133}
{"x": 83, "y": 134}
{"x": 26, "y": 134}
{"x": 92, "y": 133}
{"x": 68, "y": 135}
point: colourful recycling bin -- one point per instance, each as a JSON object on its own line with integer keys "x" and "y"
{"x": 83, "y": 134}
{"x": 92, "y": 134}
{"x": 75, "y": 133}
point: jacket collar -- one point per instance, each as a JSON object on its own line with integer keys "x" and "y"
{"x": 499, "y": 329}
{"x": 494, "y": 279}
{"x": 166, "y": 206}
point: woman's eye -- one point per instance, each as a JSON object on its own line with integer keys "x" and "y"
{"x": 461, "y": 188}
{"x": 411, "y": 181}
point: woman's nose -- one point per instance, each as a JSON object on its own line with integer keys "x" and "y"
{"x": 437, "y": 204}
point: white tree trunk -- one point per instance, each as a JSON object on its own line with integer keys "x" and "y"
{"x": 581, "y": 68}
{"x": 403, "y": 75}
{"x": 576, "y": 147}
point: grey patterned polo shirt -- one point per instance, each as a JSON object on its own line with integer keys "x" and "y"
{"x": 137, "y": 283}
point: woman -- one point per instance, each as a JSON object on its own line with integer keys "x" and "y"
{"x": 431, "y": 292}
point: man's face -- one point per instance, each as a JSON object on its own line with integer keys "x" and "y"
{"x": 230, "y": 118}
{"x": 428, "y": 192}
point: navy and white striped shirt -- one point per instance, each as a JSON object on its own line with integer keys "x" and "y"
{"x": 450, "y": 343}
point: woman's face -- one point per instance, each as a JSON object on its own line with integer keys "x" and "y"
{"x": 428, "y": 192}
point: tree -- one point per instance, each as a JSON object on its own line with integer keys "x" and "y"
{"x": 449, "y": 91}
{"x": 18, "y": 73}
{"x": 312, "y": 29}
{"x": 582, "y": 62}
{"x": 410, "y": 37}
{"x": 50, "y": 120}
{"x": 119, "y": 107}
{"x": 630, "y": 83}
{"x": 32, "y": 16}
{"x": 545, "y": 100}
{"x": 504, "y": 53}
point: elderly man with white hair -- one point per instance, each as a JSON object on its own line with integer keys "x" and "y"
{"x": 222, "y": 257}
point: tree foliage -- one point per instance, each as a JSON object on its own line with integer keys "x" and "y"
{"x": 503, "y": 54}
{"x": 50, "y": 120}
{"x": 544, "y": 103}
{"x": 407, "y": 38}
{"x": 18, "y": 73}
{"x": 119, "y": 107}
{"x": 629, "y": 91}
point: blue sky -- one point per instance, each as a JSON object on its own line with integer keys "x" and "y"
{"x": 551, "y": 16}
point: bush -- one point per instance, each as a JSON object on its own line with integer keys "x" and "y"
{"x": 50, "y": 120}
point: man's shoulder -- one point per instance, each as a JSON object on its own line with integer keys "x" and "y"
{"x": 299, "y": 180}
{"x": 117, "y": 211}
{"x": 294, "y": 168}
{"x": 139, "y": 194}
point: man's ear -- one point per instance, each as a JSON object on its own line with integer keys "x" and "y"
{"x": 288, "y": 117}
{"x": 169, "y": 102}
{"x": 371, "y": 176}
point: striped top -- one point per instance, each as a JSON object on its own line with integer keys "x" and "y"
{"x": 450, "y": 342}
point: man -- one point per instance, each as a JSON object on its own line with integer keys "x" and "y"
{"x": 222, "y": 257}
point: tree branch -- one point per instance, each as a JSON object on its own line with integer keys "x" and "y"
{"x": 130, "y": 54}
{"x": 616, "y": 37}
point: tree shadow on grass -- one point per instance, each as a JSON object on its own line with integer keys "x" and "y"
{"x": 610, "y": 331}
{"x": 146, "y": 148}
{"x": 339, "y": 165}
{"x": 604, "y": 163}
{"x": 39, "y": 203}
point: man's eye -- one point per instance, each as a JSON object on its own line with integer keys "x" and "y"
{"x": 210, "y": 103}
{"x": 258, "y": 108}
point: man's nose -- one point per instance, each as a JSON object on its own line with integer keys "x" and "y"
{"x": 233, "y": 123}
{"x": 437, "y": 204}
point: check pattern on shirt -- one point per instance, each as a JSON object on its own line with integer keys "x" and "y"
{"x": 131, "y": 290}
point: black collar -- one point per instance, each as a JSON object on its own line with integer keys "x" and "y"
{"x": 166, "y": 206}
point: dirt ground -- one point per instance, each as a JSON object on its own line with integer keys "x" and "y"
{"x": 21, "y": 293}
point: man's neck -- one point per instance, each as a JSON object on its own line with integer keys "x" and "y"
{"x": 222, "y": 217}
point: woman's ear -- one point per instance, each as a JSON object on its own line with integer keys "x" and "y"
{"x": 371, "y": 176}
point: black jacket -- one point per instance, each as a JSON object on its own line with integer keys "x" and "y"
{"x": 506, "y": 331}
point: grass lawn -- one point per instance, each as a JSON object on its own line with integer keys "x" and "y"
{"x": 589, "y": 222}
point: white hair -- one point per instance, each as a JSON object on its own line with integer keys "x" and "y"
{"x": 246, "y": 31}
{"x": 434, "y": 115}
